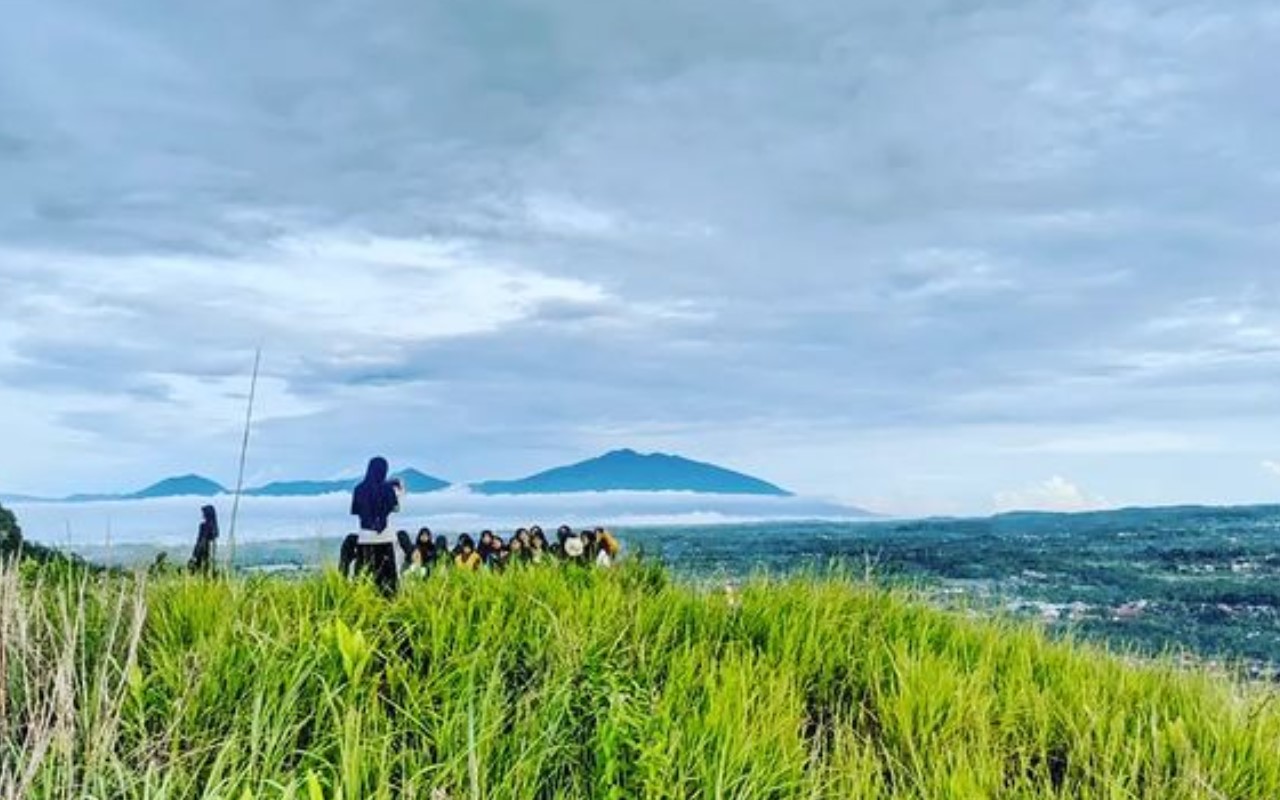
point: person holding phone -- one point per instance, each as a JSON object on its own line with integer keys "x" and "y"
{"x": 373, "y": 502}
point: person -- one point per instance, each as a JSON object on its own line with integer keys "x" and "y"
{"x": 522, "y": 536}
{"x": 422, "y": 555}
{"x": 499, "y": 556}
{"x": 426, "y": 549}
{"x": 465, "y": 555}
{"x": 609, "y": 546}
{"x": 201, "y": 562}
{"x": 160, "y": 566}
{"x": 406, "y": 546}
{"x": 572, "y": 548}
{"x": 538, "y": 547}
{"x": 489, "y": 548}
{"x": 518, "y": 550}
{"x": 347, "y": 554}
{"x": 373, "y": 502}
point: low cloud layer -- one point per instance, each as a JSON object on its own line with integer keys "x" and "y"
{"x": 903, "y": 256}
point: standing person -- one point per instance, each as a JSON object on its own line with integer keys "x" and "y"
{"x": 201, "y": 562}
{"x": 373, "y": 502}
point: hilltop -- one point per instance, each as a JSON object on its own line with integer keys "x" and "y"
{"x": 574, "y": 683}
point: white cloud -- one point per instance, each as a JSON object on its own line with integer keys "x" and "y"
{"x": 953, "y": 216}
{"x": 1272, "y": 466}
{"x": 1055, "y": 494}
{"x": 337, "y": 292}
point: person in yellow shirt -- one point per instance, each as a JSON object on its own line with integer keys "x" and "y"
{"x": 465, "y": 555}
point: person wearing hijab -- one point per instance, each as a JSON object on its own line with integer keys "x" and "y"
{"x": 201, "y": 562}
{"x": 539, "y": 549}
{"x": 465, "y": 556}
{"x": 373, "y": 502}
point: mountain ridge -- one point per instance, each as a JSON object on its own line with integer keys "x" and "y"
{"x": 616, "y": 470}
{"x": 628, "y": 470}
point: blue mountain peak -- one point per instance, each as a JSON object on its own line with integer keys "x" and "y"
{"x": 628, "y": 470}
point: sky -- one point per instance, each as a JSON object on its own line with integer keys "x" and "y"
{"x": 949, "y": 256}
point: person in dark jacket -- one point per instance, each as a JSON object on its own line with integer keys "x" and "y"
{"x": 347, "y": 554}
{"x": 488, "y": 548}
{"x": 201, "y": 562}
{"x": 373, "y": 502}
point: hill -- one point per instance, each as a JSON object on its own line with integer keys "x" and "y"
{"x": 183, "y": 486}
{"x": 613, "y": 684}
{"x": 301, "y": 488}
{"x": 415, "y": 481}
{"x": 627, "y": 470}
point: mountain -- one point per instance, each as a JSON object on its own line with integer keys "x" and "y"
{"x": 627, "y": 470}
{"x": 301, "y": 488}
{"x": 415, "y": 482}
{"x": 184, "y": 486}
{"x": 420, "y": 482}
{"x": 18, "y": 498}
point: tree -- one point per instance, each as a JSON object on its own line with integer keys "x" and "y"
{"x": 10, "y": 533}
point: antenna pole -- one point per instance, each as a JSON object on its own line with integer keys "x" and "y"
{"x": 244, "y": 452}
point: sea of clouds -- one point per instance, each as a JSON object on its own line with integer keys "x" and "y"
{"x": 173, "y": 521}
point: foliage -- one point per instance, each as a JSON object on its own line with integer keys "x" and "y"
{"x": 554, "y": 683}
{"x": 10, "y": 533}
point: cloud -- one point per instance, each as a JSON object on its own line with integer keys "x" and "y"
{"x": 1055, "y": 494}
{"x": 1272, "y": 467}
{"x": 1039, "y": 233}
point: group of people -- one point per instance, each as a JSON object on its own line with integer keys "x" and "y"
{"x": 385, "y": 556}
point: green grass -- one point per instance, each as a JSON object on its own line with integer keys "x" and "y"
{"x": 554, "y": 683}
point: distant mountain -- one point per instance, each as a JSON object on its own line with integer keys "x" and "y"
{"x": 414, "y": 481}
{"x": 301, "y": 488}
{"x": 620, "y": 470}
{"x": 420, "y": 482}
{"x": 18, "y": 498}
{"x": 627, "y": 470}
{"x": 184, "y": 486}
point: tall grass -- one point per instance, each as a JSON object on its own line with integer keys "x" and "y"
{"x": 565, "y": 684}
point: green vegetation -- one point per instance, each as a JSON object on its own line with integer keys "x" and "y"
{"x": 10, "y": 533}
{"x": 565, "y": 683}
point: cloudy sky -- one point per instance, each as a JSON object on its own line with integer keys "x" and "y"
{"x": 932, "y": 257}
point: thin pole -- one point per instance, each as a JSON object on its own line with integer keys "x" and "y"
{"x": 244, "y": 453}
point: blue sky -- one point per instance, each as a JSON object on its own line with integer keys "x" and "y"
{"x": 949, "y": 256}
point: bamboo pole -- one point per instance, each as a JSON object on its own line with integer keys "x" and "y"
{"x": 244, "y": 452}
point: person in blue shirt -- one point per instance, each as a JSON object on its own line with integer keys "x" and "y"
{"x": 373, "y": 502}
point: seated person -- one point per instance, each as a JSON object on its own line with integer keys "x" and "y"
{"x": 465, "y": 555}
{"x": 608, "y": 548}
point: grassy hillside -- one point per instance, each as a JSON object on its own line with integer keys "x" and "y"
{"x": 573, "y": 684}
